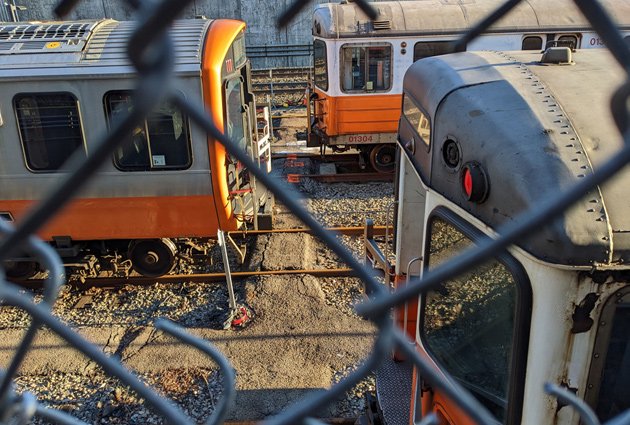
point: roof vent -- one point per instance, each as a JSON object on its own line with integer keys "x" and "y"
{"x": 557, "y": 55}
{"x": 382, "y": 25}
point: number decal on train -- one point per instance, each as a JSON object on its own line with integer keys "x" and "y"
{"x": 360, "y": 138}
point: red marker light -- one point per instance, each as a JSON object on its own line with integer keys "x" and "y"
{"x": 474, "y": 182}
{"x": 468, "y": 183}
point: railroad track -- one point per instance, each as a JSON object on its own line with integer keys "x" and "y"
{"x": 279, "y": 87}
{"x": 343, "y": 177}
{"x": 329, "y": 421}
{"x": 112, "y": 282}
{"x": 117, "y": 282}
{"x": 280, "y": 73}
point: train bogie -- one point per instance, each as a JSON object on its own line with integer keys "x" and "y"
{"x": 168, "y": 179}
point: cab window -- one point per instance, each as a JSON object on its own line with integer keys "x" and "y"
{"x": 234, "y": 118}
{"x": 425, "y": 49}
{"x": 607, "y": 387}
{"x": 161, "y": 142}
{"x": 418, "y": 119}
{"x": 366, "y": 67}
{"x": 469, "y": 324}
{"x": 320, "y": 64}
{"x": 50, "y": 130}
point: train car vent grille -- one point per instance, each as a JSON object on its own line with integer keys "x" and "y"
{"x": 382, "y": 25}
{"x": 56, "y": 32}
{"x": 50, "y": 38}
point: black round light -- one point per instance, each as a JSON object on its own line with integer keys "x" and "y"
{"x": 450, "y": 153}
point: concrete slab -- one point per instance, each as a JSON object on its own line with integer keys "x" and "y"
{"x": 289, "y": 251}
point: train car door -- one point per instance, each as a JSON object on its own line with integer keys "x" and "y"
{"x": 238, "y": 130}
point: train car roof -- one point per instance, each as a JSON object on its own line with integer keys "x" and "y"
{"x": 536, "y": 129}
{"x": 50, "y": 48}
{"x": 435, "y": 17}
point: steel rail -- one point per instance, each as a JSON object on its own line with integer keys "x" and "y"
{"x": 327, "y": 421}
{"x": 346, "y": 231}
{"x": 279, "y": 85}
{"x": 346, "y": 177}
{"x": 117, "y": 282}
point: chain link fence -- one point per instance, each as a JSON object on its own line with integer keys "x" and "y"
{"x": 151, "y": 52}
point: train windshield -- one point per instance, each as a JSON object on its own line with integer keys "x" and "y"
{"x": 320, "y": 64}
{"x": 614, "y": 396}
{"x": 608, "y": 390}
{"x": 468, "y": 322}
{"x": 418, "y": 119}
{"x": 366, "y": 68}
{"x": 234, "y": 120}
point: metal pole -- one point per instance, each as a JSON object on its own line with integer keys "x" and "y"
{"x": 226, "y": 265}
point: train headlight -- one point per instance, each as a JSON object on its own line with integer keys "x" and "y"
{"x": 474, "y": 182}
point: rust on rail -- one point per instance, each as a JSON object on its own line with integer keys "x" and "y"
{"x": 115, "y": 282}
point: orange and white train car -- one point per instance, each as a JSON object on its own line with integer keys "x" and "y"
{"x": 486, "y": 140}
{"x": 359, "y": 64}
{"x": 63, "y": 84}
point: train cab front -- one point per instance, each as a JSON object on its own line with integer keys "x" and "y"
{"x": 229, "y": 96}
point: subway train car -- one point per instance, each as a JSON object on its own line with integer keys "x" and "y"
{"x": 485, "y": 138}
{"x": 62, "y": 86}
{"x": 359, "y": 64}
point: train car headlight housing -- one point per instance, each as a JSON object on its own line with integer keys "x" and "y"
{"x": 474, "y": 182}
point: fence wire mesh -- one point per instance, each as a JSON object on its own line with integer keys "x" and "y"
{"x": 150, "y": 50}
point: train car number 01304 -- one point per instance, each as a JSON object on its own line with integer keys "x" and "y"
{"x": 360, "y": 138}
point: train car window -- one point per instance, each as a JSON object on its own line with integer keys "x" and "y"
{"x": 418, "y": 119}
{"x": 238, "y": 48}
{"x": 161, "y": 142}
{"x": 570, "y": 41}
{"x": 49, "y": 127}
{"x": 607, "y": 390}
{"x": 532, "y": 42}
{"x": 469, "y": 323}
{"x": 614, "y": 396}
{"x": 366, "y": 67}
{"x": 320, "y": 64}
{"x": 234, "y": 118}
{"x": 425, "y": 49}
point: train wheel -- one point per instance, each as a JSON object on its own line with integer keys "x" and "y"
{"x": 383, "y": 158}
{"x": 21, "y": 269}
{"x": 153, "y": 257}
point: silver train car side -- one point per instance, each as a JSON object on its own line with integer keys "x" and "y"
{"x": 64, "y": 83}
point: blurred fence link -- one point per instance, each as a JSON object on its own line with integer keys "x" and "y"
{"x": 151, "y": 52}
